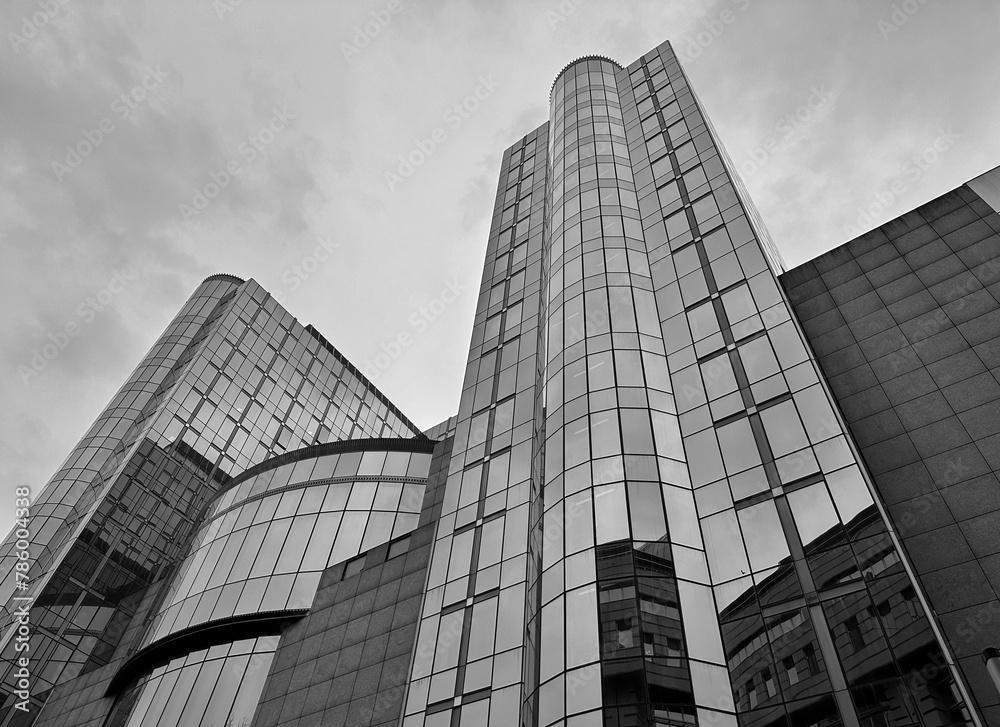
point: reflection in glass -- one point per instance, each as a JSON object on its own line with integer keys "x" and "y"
{"x": 553, "y": 622}
{"x": 850, "y": 493}
{"x": 611, "y": 513}
{"x": 813, "y": 512}
{"x": 582, "y": 638}
{"x": 739, "y": 449}
{"x": 784, "y": 432}
{"x": 724, "y": 547}
{"x": 646, "y": 509}
{"x": 701, "y": 627}
{"x": 763, "y": 536}
{"x": 801, "y": 671}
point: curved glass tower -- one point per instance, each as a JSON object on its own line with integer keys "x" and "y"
{"x": 612, "y": 635}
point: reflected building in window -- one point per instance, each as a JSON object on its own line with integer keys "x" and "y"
{"x": 905, "y": 324}
{"x": 683, "y": 487}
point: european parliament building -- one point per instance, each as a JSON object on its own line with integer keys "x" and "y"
{"x": 683, "y": 486}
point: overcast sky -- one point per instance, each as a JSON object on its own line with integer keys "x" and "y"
{"x": 829, "y": 108}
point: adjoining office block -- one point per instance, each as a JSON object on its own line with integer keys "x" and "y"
{"x": 905, "y": 322}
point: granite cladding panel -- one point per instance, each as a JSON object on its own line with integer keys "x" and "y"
{"x": 905, "y": 322}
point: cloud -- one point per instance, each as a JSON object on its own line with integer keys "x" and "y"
{"x": 102, "y": 140}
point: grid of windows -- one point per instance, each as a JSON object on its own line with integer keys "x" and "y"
{"x": 798, "y": 554}
{"x": 470, "y": 651}
{"x": 234, "y": 380}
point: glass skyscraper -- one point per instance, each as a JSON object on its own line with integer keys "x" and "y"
{"x": 234, "y": 380}
{"x": 657, "y": 503}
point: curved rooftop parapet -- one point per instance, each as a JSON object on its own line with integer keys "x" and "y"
{"x": 225, "y": 276}
{"x": 593, "y": 57}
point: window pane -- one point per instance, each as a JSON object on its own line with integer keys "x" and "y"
{"x": 817, "y": 415}
{"x": 701, "y": 626}
{"x": 739, "y": 449}
{"x": 582, "y": 641}
{"x": 611, "y": 513}
{"x": 604, "y": 434}
{"x": 738, "y": 304}
{"x": 724, "y": 547}
{"x": 784, "y": 432}
{"x": 449, "y": 640}
{"x": 484, "y": 619}
{"x": 813, "y": 512}
{"x": 646, "y": 508}
{"x": 718, "y": 376}
{"x": 553, "y": 638}
{"x": 600, "y": 371}
{"x": 579, "y": 522}
{"x": 628, "y": 365}
{"x": 682, "y": 516}
{"x": 637, "y": 434}
{"x": 597, "y": 315}
{"x": 850, "y": 493}
{"x": 762, "y": 533}
{"x": 703, "y": 457}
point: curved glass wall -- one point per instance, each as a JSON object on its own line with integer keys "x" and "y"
{"x": 208, "y": 688}
{"x": 266, "y": 541}
{"x": 615, "y": 479}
